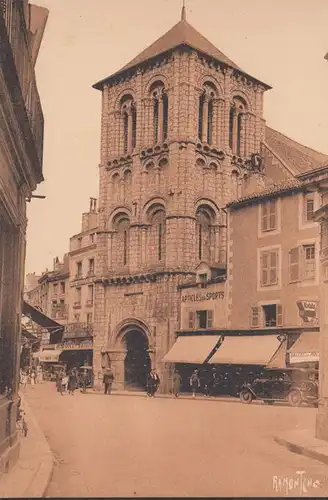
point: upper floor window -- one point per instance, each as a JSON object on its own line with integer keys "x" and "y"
{"x": 269, "y": 267}
{"x": 129, "y": 116}
{"x": 309, "y": 207}
{"x": 62, "y": 287}
{"x": 79, "y": 242}
{"x": 160, "y": 111}
{"x": 302, "y": 263}
{"x": 91, "y": 269}
{"x": 268, "y": 315}
{"x": 206, "y": 113}
{"x": 122, "y": 225}
{"x": 324, "y": 234}
{"x": 269, "y": 215}
{"x": 238, "y": 109}
{"x": 55, "y": 288}
{"x": 79, "y": 269}
{"x": 200, "y": 319}
{"x": 92, "y": 238}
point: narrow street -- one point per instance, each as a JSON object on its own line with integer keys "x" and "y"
{"x": 136, "y": 446}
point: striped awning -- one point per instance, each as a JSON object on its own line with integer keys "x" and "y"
{"x": 192, "y": 349}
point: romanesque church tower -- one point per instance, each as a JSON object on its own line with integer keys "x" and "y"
{"x": 180, "y": 123}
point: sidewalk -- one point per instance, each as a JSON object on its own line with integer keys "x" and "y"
{"x": 30, "y": 477}
{"x": 303, "y": 442}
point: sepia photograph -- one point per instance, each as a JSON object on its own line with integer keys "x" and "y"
{"x": 163, "y": 248}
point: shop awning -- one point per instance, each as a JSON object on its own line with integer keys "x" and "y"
{"x": 278, "y": 360}
{"x": 48, "y": 356}
{"x": 55, "y": 329}
{"x": 246, "y": 350}
{"x": 191, "y": 349}
{"x": 305, "y": 349}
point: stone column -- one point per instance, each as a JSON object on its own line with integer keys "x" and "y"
{"x": 129, "y": 140}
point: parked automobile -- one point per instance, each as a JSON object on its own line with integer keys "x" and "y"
{"x": 271, "y": 387}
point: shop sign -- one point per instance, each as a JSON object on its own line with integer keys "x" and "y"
{"x": 304, "y": 357}
{"x": 75, "y": 346}
{"x": 199, "y": 297}
{"x": 307, "y": 309}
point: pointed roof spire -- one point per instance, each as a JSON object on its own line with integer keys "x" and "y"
{"x": 183, "y": 11}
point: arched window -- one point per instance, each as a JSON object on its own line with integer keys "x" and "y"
{"x": 156, "y": 235}
{"x": 160, "y": 111}
{"x": 206, "y": 113}
{"x": 122, "y": 225}
{"x": 129, "y": 118}
{"x": 205, "y": 217}
{"x": 236, "y": 126}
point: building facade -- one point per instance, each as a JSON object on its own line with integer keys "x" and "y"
{"x": 21, "y": 128}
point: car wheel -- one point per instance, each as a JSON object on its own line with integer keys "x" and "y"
{"x": 246, "y": 396}
{"x": 294, "y": 398}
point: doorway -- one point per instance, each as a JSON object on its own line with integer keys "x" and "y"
{"x": 137, "y": 362}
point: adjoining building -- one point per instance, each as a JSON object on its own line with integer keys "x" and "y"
{"x": 183, "y": 134}
{"x": 21, "y": 149}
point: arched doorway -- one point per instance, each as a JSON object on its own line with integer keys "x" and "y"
{"x": 137, "y": 362}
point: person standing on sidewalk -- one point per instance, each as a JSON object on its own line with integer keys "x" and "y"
{"x": 194, "y": 382}
{"x": 72, "y": 382}
{"x": 176, "y": 384}
{"x": 108, "y": 380}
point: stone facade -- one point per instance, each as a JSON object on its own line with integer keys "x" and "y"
{"x": 167, "y": 169}
{"x": 21, "y": 145}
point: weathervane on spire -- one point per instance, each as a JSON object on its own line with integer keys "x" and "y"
{"x": 183, "y": 12}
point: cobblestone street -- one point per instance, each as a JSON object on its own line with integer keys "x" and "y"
{"x": 135, "y": 446}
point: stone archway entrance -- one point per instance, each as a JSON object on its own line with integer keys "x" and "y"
{"x": 137, "y": 361}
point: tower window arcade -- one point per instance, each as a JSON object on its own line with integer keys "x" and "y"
{"x": 237, "y": 125}
{"x": 160, "y": 112}
{"x": 129, "y": 118}
{"x": 206, "y": 113}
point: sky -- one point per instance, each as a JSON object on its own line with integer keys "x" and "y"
{"x": 281, "y": 42}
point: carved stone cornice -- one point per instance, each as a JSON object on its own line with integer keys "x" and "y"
{"x": 154, "y": 151}
{"x": 140, "y": 278}
{"x": 210, "y": 151}
{"x": 119, "y": 162}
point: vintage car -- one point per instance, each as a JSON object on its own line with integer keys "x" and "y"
{"x": 271, "y": 387}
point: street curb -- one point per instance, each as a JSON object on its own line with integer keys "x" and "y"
{"x": 302, "y": 450}
{"x": 42, "y": 477}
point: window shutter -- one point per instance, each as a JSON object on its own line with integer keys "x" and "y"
{"x": 191, "y": 320}
{"x": 209, "y": 319}
{"x": 264, "y": 217}
{"x": 279, "y": 317}
{"x": 273, "y": 280}
{"x": 272, "y": 216}
{"x": 294, "y": 265}
{"x": 264, "y": 268}
{"x": 255, "y": 317}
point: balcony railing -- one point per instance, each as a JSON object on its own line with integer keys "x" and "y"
{"x": 78, "y": 330}
{"x": 89, "y": 303}
{"x": 12, "y": 21}
{"x": 77, "y": 304}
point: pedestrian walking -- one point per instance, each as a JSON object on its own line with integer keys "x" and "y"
{"x": 33, "y": 378}
{"x": 64, "y": 383}
{"x": 176, "y": 384}
{"x": 108, "y": 380}
{"x": 153, "y": 382}
{"x": 194, "y": 382}
{"x": 72, "y": 382}
{"x": 23, "y": 380}
{"x": 83, "y": 381}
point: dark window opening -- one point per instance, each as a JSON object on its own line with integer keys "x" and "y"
{"x": 125, "y": 126}
{"x": 156, "y": 105}
{"x": 239, "y": 127}
{"x": 200, "y": 242}
{"x": 210, "y": 123}
{"x": 231, "y": 121}
{"x": 165, "y": 115}
{"x": 160, "y": 231}
{"x": 125, "y": 248}
{"x": 134, "y": 127}
{"x": 270, "y": 315}
{"x": 200, "y": 117}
